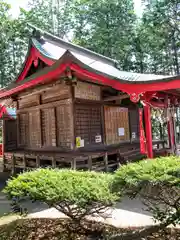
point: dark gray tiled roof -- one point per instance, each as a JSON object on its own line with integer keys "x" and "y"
{"x": 55, "y": 48}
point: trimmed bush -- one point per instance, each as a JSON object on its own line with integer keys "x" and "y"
{"x": 157, "y": 182}
{"x": 75, "y": 193}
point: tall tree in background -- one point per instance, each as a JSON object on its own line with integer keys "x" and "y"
{"x": 106, "y": 27}
{"x": 4, "y": 26}
{"x": 161, "y": 27}
{"x": 148, "y": 45}
{"x": 13, "y": 45}
{"x": 51, "y": 15}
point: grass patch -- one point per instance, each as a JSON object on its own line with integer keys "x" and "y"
{"x": 56, "y": 229}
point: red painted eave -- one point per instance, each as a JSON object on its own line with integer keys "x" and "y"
{"x": 34, "y": 54}
{"x": 39, "y": 80}
{"x": 130, "y": 88}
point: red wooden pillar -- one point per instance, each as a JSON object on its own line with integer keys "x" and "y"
{"x": 142, "y": 137}
{"x": 171, "y": 133}
{"x": 148, "y": 128}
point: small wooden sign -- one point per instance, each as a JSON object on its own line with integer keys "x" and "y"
{"x": 87, "y": 91}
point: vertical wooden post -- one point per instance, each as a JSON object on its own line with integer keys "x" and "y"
{"x": 73, "y": 123}
{"x": 103, "y": 119}
{"x": 53, "y": 162}
{"x": 118, "y": 158}
{"x": 171, "y": 130}
{"x": 169, "y": 133}
{"x": 106, "y": 161}
{"x": 24, "y": 161}
{"x": 90, "y": 163}
{"x": 54, "y": 131}
{"x": 73, "y": 164}
{"x": 148, "y": 128}
{"x": 18, "y": 124}
{"x": 40, "y": 128}
{"x": 13, "y": 165}
{"x": 37, "y": 161}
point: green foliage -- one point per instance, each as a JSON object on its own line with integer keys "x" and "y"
{"x": 157, "y": 182}
{"x": 59, "y": 188}
{"x": 81, "y": 194}
{"x": 56, "y": 185}
{"x": 156, "y": 170}
{"x": 106, "y": 27}
{"x": 159, "y": 36}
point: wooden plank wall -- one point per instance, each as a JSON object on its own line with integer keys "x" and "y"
{"x": 64, "y": 119}
{"x": 10, "y": 134}
{"x": 44, "y": 119}
{"x": 134, "y": 123}
{"x": 34, "y": 129}
{"x": 50, "y": 116}
{"x": 116, "y": 124}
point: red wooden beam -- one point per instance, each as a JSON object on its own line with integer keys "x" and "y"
{"x": 148, "y": 128}
{"x": 133, "y": 89}
{"x": 41, "y": 79}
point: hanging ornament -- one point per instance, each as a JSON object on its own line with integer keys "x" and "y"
{"x": 36, "y": 62}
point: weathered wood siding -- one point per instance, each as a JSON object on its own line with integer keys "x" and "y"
{"x": 88, "y": 125}
{"x": 48, "y": 127}
{"x": 10, "y": 135}
{"x": 87, "y": 91}
{"x": 34, "y": 129}
{"x": 23, "y": 129}
{"x": 45, "y": 117}
{"x": 64, "y": 121}
{"x": 134, "y": 123}
{"x": 116, "y": 124}
{"x": 88, "y": 116}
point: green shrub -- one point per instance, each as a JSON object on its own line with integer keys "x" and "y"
{"x": 165, "y": 169}
{"x": 157, "y": 182}
{"x": 62, "y": 188}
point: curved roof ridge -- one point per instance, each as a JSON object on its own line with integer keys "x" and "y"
{"x": 72, "y": 46}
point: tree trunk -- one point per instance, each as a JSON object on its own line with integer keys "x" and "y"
{"x": 175, "y": 53}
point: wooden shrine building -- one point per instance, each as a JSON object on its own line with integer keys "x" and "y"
{"x": 8, "y": 123}
{"x": 76, "y": 109}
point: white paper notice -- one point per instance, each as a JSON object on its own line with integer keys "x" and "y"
{"x": 177, "y": 129}
{"x": 82, "y": 142}
{"x": 120, "y": 131}
{"x": 133, "y": 135}
{"x": 98, "y": 139}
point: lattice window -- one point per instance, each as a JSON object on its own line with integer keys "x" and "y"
{"x": 23, "y": 129}
{"x": 34, "y": 129}
{"x": 48, "y": 127}
{"x": 134, "y": 123}
{"x": 64, "y": 125}
{"x": 88, "y": 123}
{"x": 10, "y": 141}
